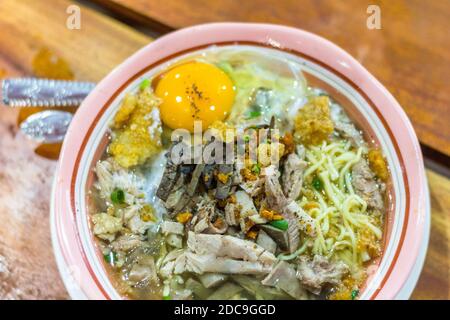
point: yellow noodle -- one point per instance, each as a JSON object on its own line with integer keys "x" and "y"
{"x": 341, "y": 213}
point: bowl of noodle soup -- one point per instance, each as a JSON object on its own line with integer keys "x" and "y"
{"x": 382, "y": 244}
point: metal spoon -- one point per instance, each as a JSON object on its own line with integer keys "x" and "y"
{"x": 48, "y": 126}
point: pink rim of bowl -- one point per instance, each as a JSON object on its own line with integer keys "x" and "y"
{"x": 66, "y": 235}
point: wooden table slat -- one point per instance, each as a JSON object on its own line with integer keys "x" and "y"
{"x": 27, "y": 265}
{"x": 410, "y": 55}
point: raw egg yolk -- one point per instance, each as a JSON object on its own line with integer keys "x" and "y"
{"x": 194, "y": 91}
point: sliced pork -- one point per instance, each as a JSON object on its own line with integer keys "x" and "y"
{"x": 314, "y": 274}
{"x": 223, "y": 254}
{"x": 277, "y": 201}
{"x": 345, "y": 128}
{"x": 210, "y": 280}
{"x": 266, "y": 242}
{"x": 291, "y": 179}
{"x": 230, "y": 247}
{"x": 363, "y": 180}
{"x": 283, "y": 276}
{"x": 126, "y": 242}
{"x": 198, "y": 263}
{"x": 208, "y": 219}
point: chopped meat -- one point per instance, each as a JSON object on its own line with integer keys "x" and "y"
{"x": 276, "y": 200}
{"x": 126, "y": 243}
{"x": 166, "y": 270}
{"x": 172, "y": 227}
{"x": 174, "y": 240}
{"x": 143, "y": 270}
{"x": 231, "y": 214}
{"x": 199, "y": 225}
{"x": 182, "y": 294}
{"x": 281, "y": 237}
{"x": 313, "y": 122}
{"x": 169, "y": 179}
{"x": 224, "y": 181}
{"x": 105, "y": 182}
{"x": 184, "y": 203}
{"x": 195, "y": 179}
{"x": 348, "y": 131}
{"x": 208, "y": 175}
{"x": 202, "y": 263}
{"x": 172, "y": 255}
{"x": 291, "y": 179}
{"x": 137, "y": 218}
{"x": 228, "y": 246}
{"x": 304, "y": 221}
{"x": 274, "y": 194}
{"x": 283, "y": 276}
{"x": 106, "y": 226}
{"x": 366, "y": 187}
{"x": 266, "y": 242}
{"x": 245, "y": 203}
{"x": 253, "y": 187}
{"x": 210, "y": 280}
{"x": 217, "y": 224}
{"x": 208, "y": 218}
{"x": 175, "y": 195}
{"x": 179, "y": 199}
{"x": 222, "y": 254}
{"x": 137, "y": 225}
{"x": 318, "y": 272}
{"x": 245, "y": 207}
{"x": 257, "y": 219}
{"x": 168, "y": 263}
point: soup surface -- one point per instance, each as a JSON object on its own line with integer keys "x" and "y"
{"x": 228, "y": 177}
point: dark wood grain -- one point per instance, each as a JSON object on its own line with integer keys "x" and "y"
{"x": 27, "y": 265}
{"x": 434, "y": 282}
{"x": 410, "y": 55}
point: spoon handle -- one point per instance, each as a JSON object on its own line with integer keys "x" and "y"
{"x": 22, "y": 92}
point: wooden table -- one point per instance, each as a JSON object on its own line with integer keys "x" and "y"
{"x": 410, "y": 55}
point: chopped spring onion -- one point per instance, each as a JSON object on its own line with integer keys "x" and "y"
{"x": 167, "y": 297}
{"x": 256, "y": 168}
{"x": 144, "y": 84}
{"x": 118, "y": 196}
{"x": 354, "y": 294}
{"x": 110, "y": 258}
{"x": 317, "y": 183}
{"x": 280, "y": 224}
{"x": 254, "y": 114}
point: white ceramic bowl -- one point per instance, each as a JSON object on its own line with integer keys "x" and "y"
{"x": 325, "y": 65}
